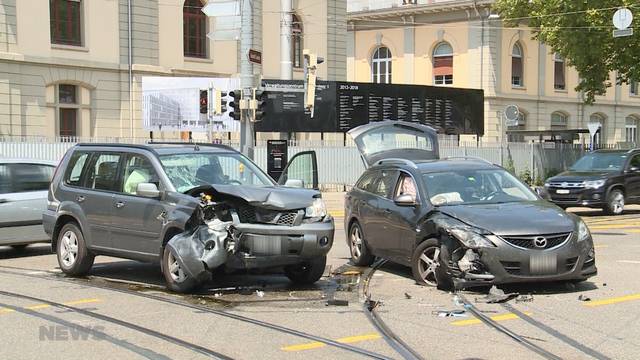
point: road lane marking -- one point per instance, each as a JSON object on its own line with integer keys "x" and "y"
{"x": 612, "y": 300}
{"x": 629, "y": 261}
{"x": 633, "y": 231}
{"x": 344, "y": 340}
{"x": 600, "y": 246}
{"x": 82, "y": 301}
{"x": 614, "y": 226}
{"x": 336, "y": 213}
{"x": 503, "y": 317}
{"x": 44, "y": 306}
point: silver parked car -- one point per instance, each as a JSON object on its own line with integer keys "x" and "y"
{"x": 23, "y": 198}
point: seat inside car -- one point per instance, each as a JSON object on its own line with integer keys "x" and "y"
{"x": 106, "y": 175}
{"x": 210, "y": 174}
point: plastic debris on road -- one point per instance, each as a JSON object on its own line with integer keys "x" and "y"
{"x": 450, "y": 313}
{"x": 496, "y": 296}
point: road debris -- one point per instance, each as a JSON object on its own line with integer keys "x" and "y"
{"x": 496, "y": 296}
{"x": 335, "y": 302}
{"x": 450, "y": 313}
{"x": 408, "y": 296}
{"x": 260, "y": 293}
{"x": 524, "y": 298}
{"x": 584, "y": 298}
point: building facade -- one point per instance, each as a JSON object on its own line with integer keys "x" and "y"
{"x": 459, "y": 43}
{"x": 72, "y": 68}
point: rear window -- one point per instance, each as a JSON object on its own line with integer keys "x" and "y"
{"x": 15, "y": 178}
{"x": 75, "y": 168}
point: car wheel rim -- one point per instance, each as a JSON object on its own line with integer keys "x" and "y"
{"x": 427, "y": 264}
{"x": 69, "y": 248}
{"x": 176, "y": 272}
{"x": 356, "y": 243}
{"x": 617, "y": 203}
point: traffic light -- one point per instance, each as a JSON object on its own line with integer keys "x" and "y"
{"x": 236, "y": 112}
{"x": 311, "y": 62}
{"x": 220, "y": 103}
{"x": 258, "y": 104}
{"x": 204, "y": 101}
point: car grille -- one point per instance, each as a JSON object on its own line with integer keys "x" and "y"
{"x": 512, "y": 267}
{"x": 528, "y": 241}
{"x": 250, "y": 214}
{"x": 567, "y": 184}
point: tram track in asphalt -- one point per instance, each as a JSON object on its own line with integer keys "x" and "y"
{"x": 56, "y": 277}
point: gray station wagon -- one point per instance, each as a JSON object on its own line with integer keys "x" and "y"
{"x": 191, "y": 207}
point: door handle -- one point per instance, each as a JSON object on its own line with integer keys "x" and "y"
{"x": 120, "y": 204}
{"x": 2, "y": 201}
{"x": 80, "y": 198}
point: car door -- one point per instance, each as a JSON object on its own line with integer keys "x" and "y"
{"x": 401, "y": 220}
{"x": 137, "y": 221}
{"x": 632, "y": 179}
{"x": 301, "y": 171}
{"x": 92, "y": 187}
{"x": 363, "y": 204}
{"x": 23, "y": 198}
{"x": 378, "y": 233}
{"x": 395, "y": 139}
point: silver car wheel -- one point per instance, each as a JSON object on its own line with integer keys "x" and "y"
{"x": 617, "y": 203}
{"x": 356, "y": 242}
{"x": 427, "y": 264}
{"x": 69, "y": 248}
{"x": 176, "y": 272}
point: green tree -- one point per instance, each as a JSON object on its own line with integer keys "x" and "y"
{"x": 581, "y": 31}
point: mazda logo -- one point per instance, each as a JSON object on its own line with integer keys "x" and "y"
{"x": 540, "y": 242}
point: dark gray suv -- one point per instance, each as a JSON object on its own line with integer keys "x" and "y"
{"x": 458, "y": 222}
{"x": 191, "y": 207}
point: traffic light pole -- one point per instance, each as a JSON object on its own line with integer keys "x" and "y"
{"x": 250, "y": 9}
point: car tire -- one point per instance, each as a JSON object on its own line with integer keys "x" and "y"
{"x": 615, "y": 202}
{"x": 174, "y": 276}
{"x": 360, "y": 254}
{"x": 19, "y": 247}
{"x": 71, "y": 250}
{"x": 424, "y": 262}
{"x": 308, "y": 272}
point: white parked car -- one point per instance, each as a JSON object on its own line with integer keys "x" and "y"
{"x": 23, "y": 197}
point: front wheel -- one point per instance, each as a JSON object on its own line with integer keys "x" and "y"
{"x": 425, "y": 261}
{"x": 307, "y": 272}
{"x": 615, "y": 202}
{"x": 175, "y": 277}
{"x": 73, "y": 256}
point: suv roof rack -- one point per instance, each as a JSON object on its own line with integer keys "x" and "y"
{"x": 470, "y": 158}
{"x": 219, "y": 146}
{"x": 397, "y": 160}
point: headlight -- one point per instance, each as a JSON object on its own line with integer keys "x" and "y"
{"x": 594, "y": 184}
{"x": 547, "y": 184}
{"x": 317, "y": 209}
{"x": 583, "y": 231}
{"x": 471, "y": 239}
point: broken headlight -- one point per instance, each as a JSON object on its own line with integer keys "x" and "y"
{"x": 583, "y": 231}
{"x": 471, "y": 239}
{"x": 317, "y": 209}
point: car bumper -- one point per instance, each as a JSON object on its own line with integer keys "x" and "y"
{"x": 509, "y": 264}
{"x": 577, "y": 197}
{"x": 49, "y": 221}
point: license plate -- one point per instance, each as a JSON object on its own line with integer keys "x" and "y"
{"x": 543, "y": 264}
{"x": 562, "y": 191}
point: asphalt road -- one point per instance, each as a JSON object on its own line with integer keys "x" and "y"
{"x": 122, "y": 310}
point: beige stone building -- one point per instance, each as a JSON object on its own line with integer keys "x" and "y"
{"x": 458, "y": 43}
{"x": 65, "y": 69}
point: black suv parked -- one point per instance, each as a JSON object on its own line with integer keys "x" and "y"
{"x": 606, "y": 179}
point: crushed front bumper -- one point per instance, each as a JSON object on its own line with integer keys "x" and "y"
{"x": 506, "y": 263}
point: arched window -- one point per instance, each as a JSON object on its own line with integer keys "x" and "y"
{"x": 600, "y": 137}
{"x": 558, "y": 72}
{"x": 381, "y": 65}
{"x": 296, "y": 41}
{"x": 517, "y": 65}
{"x": 443, "y": 64}
{"x": 559, "y": 120}
{"x": 195, "y": 29}
{"x": 631, "y": 129}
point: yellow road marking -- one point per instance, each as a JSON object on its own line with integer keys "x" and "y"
{"x": 503, "y": 317}
{"x": 635, "y": 231}
{"x": 43, "y": 306}
{"x": 36, "y": 307}
{"x": 610, "y": 301}
{"x": 614, "y": 226}
{"x": 344, "y": 340}
{"x": 600, "y": 246}
{"x": 336, "y": 213}
{"x": 82, "y": 301}
{"x": 4, "y": 311}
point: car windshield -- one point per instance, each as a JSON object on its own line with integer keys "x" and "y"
{"x": 600, "y": 162}
{"x": 480, "y": 186}
{"x": 187, "y": 171}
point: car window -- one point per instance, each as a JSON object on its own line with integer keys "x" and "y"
{"x": 406, "y": 186}
{"x": 384, "y": 186}
{"x": 74, "y": 169}
{"x": 5, "y": 180}
{"x": 103, "y": 172}
{"x": 600, "y": 161}
{"x": 365, "y": 182}
{"x": 635, "y": 161}
{"x": 137, "y": 170}
{"x": 30, "y": 177}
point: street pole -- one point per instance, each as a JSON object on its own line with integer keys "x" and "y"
{"x": 286, "y": 66}
{"x": 251, "y": 9}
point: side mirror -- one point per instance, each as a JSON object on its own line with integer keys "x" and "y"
{"x": 147, "y": 190}
{"x": 634, "y": 169}
{"x": 296, "y": 183}
{"x": 405, "y": 200}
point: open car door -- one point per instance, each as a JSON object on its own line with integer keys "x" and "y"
{"x": 395, "y": 139}
{"x": 301, "y": 171}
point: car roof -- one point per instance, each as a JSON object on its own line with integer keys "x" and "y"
{"x": 27, "y": 161}
{"x": 168, "y": 148}
{"x": 439, "y": 165}
{"x": 616, "y": 151}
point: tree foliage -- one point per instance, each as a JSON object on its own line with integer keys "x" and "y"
{"x": 581, "y": 31}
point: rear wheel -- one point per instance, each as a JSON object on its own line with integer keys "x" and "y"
{"x": 615, "y": 202}
{"x": 307, "y": 272}
{"x": 175, "y": 277}
{"x": 425, "y": 261}
{"x": 71, "y": 250}
{"x": 360, "y": 254}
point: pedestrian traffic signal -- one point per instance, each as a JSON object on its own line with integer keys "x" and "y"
{"x": 259, "y": 104}
{"x": 204, "y": 101}
{"x": 221, "y": 103}
{"x": 234, "y": 105}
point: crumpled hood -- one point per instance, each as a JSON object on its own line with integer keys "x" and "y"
{"x": 522, "y": 218}
{"x": 579, "y": 176}
{"x": 271, "y": 197}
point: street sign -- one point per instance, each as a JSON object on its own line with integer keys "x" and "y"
{"x": 221, "y": 8}
{"x": 593, "y": 129}
{"x": 623, "y": 32}
{"x": 622, "y": 19}
{"x": 255, "y": 56}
